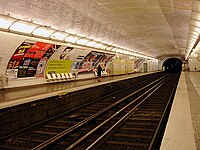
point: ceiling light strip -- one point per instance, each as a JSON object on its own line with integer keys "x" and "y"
{"x": 15, "y": 25}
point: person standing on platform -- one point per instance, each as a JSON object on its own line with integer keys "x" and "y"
{"x": 99, "y": 70}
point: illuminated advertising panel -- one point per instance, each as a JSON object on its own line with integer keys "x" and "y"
{"x": 38, "y": 50}
{"x": 29, "y": 59}
{"x": 18, "y": 55}
{"x": 58, "y": 66}
{"x": 92, "y": 60}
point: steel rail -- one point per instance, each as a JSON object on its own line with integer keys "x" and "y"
{"x": 125, "y": 117}
{"x": 154, "y": 139}
{"x": 58, "y": 137}
{"x": 52, "y": 118}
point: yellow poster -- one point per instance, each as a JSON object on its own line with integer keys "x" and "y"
{"x": 59, "y": 66}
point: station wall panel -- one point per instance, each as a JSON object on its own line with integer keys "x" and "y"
{"x": 9, "y": 43}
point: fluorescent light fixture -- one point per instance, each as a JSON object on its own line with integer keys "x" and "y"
{"x": 118, "y": 50}
{"x": 193, "y": 36}
{"x": 82, "y": 41}
{"x": 114, "y": 49}
{"x": 195, "y": 15}
{"x": 195, "y": 23}
{"x": 69, "y": 44}
{"x": 98, "y": 45}
{"x": 72, "y": 38}
{"x": 59, "y": 35}
{"x": 125, "y": 52}
{"x": 109, "y": 48}
{"x": 12, "y": 24}
{"x": 81, "y": 35}
{"x": 122, "y": 51}
{"x": 192, "y": 39}
{"x": 6, "y": 22}
{"x": 103, "y": 46}
{"x": 23, "y": 26}
{"x": 138, "y": 55}
{"x": 43, "y": 31}
{"x": 193, "y": 33}
{"x": 91, "y": 43}
{"x": 194, "y": 28}
{"x": 198, "y": 45}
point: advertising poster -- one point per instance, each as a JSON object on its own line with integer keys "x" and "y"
{"x": 92, "y": 60}
{"x": 88, "y": 63}
{"x": 22, "y": 71}
{"x": 64, "y": 55}
{"x": 28, "y": 67}
{"x": 32, "y": 67}
{"x": 38, "y": 50}
{"x": 41, "y": 67}
{"x": 25, "y": 62}
{"x": 78, "y": 56}
{"x": 59, "y": 66}
{"x": 18, "y": 55}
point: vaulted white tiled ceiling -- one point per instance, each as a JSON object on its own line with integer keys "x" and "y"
{"x": 157, "y": 28}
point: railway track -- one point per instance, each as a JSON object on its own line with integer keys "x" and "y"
{"x": 102, "y": 124}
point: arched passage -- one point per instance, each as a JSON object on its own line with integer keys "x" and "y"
{"x": 173, "y": 65}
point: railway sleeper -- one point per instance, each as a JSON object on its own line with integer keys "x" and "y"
{"x": 138, "y": 129}
{"x": 128, "y": 144}
{"x": 144, "y": 125}
{"x": 131, "y": 136}
{"x": 45, "y": 132}
{"x": 129, "y": 139}
{"x": 144, "y": 119}
{"x": 12, "y": 147}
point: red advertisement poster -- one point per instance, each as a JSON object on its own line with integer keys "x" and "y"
{"x": 38, "y": 50}
{"x": 29, "y": 59}
{"x": 18, "y": 55}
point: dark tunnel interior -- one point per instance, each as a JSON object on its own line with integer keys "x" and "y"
{"x": 173, "y": 65}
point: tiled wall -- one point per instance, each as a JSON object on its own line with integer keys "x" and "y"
{"x": 9, "y": 43}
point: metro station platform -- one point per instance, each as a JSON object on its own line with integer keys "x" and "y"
{"x": 183, "y": 127}
{"x": 18, "y": 92}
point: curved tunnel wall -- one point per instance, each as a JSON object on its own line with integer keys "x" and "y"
{"x": 10, "y": 43}
{"x": 194, "y": 63}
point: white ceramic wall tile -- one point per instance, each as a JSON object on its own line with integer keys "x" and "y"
{"x": 9, "y": 42}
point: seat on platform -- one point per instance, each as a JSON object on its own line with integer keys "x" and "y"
{"x": 54, "y": 76}
{"x": 58, "y": 76}
{"x": 49, "y": 77}
{"x": 71, "y": 76}
{"x": 67, "y": 76}
{"x": 63, "y": 76}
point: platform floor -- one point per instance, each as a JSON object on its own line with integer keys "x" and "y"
{"x": 183, "y": 127}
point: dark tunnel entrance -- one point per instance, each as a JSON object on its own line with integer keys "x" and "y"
{"x": 173, "y": 65}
